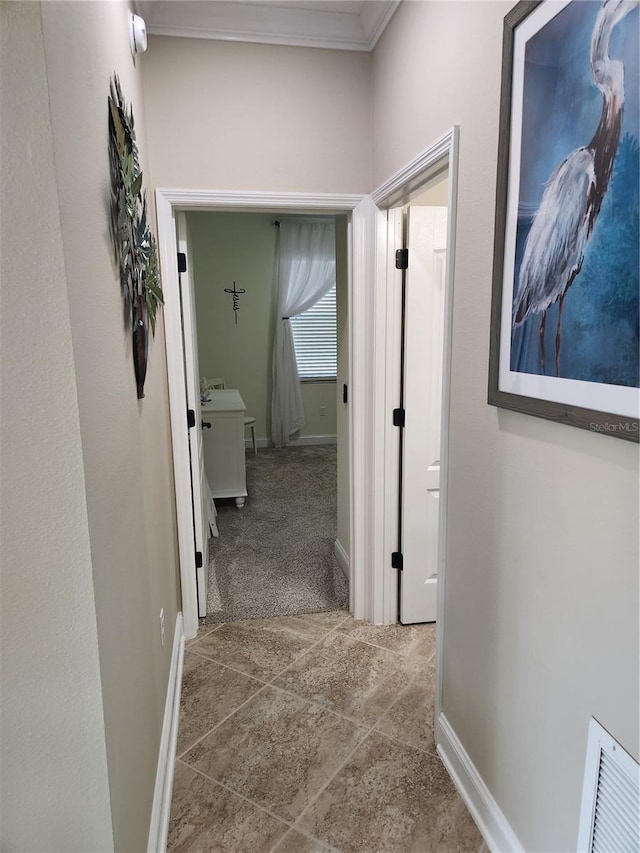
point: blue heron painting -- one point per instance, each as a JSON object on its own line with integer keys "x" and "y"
{"x": 576, "y": 311}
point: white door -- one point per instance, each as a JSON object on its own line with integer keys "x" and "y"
{"x": 423, "y": 364}
{"x": 199, "y": 488}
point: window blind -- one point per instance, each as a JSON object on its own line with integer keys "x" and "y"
{"x": 315, "y": 339}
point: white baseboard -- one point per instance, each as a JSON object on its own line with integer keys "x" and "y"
{"x": 493, "y": 825}
{"x": 313, "y": 439}
{"x": 303, "y": 439}
{"x": 343, "y": 559}
{"x": 161, "y": 808}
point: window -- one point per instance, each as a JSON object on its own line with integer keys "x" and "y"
{"x": 314, "y": 338}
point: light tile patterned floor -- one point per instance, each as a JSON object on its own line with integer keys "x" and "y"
{"x": 303, "y": 734}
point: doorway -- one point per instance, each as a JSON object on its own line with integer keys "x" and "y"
{"x": 361, "y": 250}
{"x": 373, "y": 375}
{"x": 277, "y": 555}
{"x": 406, "y": 187}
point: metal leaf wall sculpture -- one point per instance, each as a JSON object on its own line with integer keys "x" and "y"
{"x": 135, "y": 246}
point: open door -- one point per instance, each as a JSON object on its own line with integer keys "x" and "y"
{"x": 199, "y": 487}
{"x": 426, "y": 233}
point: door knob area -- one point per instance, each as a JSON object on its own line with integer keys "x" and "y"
{"x": 205, "y": 424}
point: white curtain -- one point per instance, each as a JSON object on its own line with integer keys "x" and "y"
{"x": 306, "y": 270}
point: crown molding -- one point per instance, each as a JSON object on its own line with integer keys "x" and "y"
{"x": 299, "y": 25}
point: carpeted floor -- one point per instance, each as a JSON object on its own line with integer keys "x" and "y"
{"x": 275, "y": 556}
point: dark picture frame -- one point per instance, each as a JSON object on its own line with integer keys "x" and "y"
{"x": 547, "y": 358}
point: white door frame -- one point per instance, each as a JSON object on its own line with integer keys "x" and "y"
{"x": 444, "y": 151}
{"x": 364, "y": 462}
{"x": 374, "y": 352}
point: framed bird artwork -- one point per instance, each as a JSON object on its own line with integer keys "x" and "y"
{"x": 565, "y": 317}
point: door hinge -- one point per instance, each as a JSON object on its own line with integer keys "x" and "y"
{"x": 398, "y": 417}
{"x": 182, "y": 262}
{"x": 191, "y": 418}
{"x": 198, "y": 559}
{"x": 396, "y": 560}
{"x": 402, "y": 259}
{"x": 345, "y": 394}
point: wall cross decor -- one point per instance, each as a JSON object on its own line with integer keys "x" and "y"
{"x": 236, "y": 299}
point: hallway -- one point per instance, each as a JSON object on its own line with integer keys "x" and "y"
{"x": 312, "y": 733}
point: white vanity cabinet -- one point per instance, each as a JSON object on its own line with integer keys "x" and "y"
{"x": 224, "y": 459}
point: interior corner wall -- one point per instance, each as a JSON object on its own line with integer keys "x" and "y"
{"x": 541, "y": 609}
{"x": 126, "y": 447}
{"x": 240, "y": 248}
{"x": 234, "y": 116}
{"x": 54, "y": 783}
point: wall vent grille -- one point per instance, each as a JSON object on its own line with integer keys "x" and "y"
{"x": 610, "y": 815}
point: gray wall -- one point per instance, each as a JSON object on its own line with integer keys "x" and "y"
{"x": 233, "y": 116}
{"x": 54, "y": 786}
{"x": 542, "y": 578}
{"x": 90, "y": 557}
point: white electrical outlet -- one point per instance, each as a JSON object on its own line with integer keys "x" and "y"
{"x": 323, "y": 411}
{"x": 162, "y": 626}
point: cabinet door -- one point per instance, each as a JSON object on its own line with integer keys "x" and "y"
{"x": 224, "y": 454}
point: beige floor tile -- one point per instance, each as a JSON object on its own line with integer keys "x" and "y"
{"x": 264, "y": 647}
{"x": 294, "y": 842}
{"x": 352, "y": 678}
{"x": 410, "y": 718}
{"x": 210, "y": 692}
{"x": 203, "y": 630}
{"x": 415, "y": 641}
{"x": 392, "y": 798}
{"x": 207, "y": 817}
{"x": 277, "y": 750}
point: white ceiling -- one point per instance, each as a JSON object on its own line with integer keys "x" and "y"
{"x": 337, "y": 24}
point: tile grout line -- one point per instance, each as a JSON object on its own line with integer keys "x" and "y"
{"x": 263, "y": 684}
{"x": 205, "y": 656}
{"x": 197, "y": 639}
{"x": 335, "y": 630}
{"x": 417, "y": 659}
{"x": 326, "y": 848}
{"x": 227, "y": 666}
{"x": 386, "y": 648}
{"x": 315, "y": 799}
{"x": 330, "y": 780}
{"x": 280, "y": 819}
{"x": 223, "y": 720}
{"x": 288, "y": 823}
{"x": 279, "y": 673}
{"x": 317, "y": 643}
{"x": 352, "y": 720}
{"x": 421, "y": 749}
